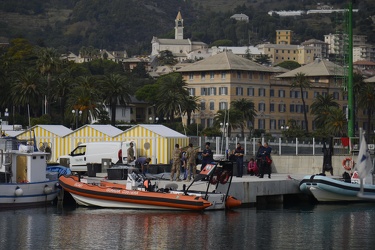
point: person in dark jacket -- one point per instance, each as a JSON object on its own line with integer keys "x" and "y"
{"x": 259, "y": 158}
{"x": 207, "y": 156}
{"x": 266, "y": 155}
{"x": 239, "y": 153}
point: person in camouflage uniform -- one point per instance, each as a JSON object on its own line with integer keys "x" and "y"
{"x": 191, "y": 155}
{"x": 176, "y": 165}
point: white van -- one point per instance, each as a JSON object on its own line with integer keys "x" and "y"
{"x": 94, "y": 152}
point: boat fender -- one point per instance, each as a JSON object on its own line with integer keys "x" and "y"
{"x": 224, "y": 177}
{"x": 119, "y": 155}
{"x": 348, "y": 163}
{"x": 18, "y": 191}
{"x": 47, "y": 189}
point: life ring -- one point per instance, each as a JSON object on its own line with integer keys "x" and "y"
{"x": 347, "y": 163}
{"x": 224, "y": 177}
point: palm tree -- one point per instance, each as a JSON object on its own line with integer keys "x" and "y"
{"x": 247, "y": 109}
{"x": 302, "y": 82}
{"x": 62, "y": 88}
{"x": 48, "y": 62}
{"x": 336, "y": 122}
{"x": 189, "y": 105}
{"x": 321, "y": 109}
{"x": 116, "y": 88}
{"x": 367, "y": 103}
{"x": 234, "y": 121}
{"x": 84, "y": 97}
{"x": 172, "y": 89}
{"x": 26, "y": 89}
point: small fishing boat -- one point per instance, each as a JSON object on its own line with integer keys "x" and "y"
{"x": 142, "y": 193}
{"x": 25, "y": 179}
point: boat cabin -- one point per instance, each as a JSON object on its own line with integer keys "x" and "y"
{"x": 20, "y": 164}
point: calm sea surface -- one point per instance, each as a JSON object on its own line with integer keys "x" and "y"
{"x": 280, "y": 227}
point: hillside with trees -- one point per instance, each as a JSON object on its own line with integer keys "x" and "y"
{"x": 69, "y": 25}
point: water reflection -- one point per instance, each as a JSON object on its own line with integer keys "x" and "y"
{"x": 300, "y": 227}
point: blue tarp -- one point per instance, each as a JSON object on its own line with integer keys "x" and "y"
{"x": 60, "y": 169}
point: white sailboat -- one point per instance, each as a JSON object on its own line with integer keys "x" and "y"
{"x": 365, "y": 169}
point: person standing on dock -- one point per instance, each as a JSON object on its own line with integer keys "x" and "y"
{"x": 176, "y": 165}
{"x": 266, "y": 160}
{"x": 184, "y": 164}
{"x": 130, "y": 157}
{"x": 207, "y": 156}
{"x": 191, "y": 155}
{"x": 259, "y": 158}
{"x": 239, "y": 153}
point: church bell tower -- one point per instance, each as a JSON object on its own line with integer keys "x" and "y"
{"x": 179, "y": 28}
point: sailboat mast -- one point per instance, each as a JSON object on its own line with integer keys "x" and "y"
{"x": 350, "y": 75}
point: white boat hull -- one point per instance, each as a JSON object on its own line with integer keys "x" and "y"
{"x": 326, "y": 189}
{"x": 88, "y": 201}
{"x": 27, "y": 193}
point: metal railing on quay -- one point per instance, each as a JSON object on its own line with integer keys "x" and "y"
{"x": 282, "y": 146}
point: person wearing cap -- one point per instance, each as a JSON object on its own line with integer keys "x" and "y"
{"x": 142, "y": 163}
{"x": 207, "y": 156}
{"x": 130, "y": 157}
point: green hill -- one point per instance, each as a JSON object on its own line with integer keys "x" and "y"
{"x": 117, "y": 25}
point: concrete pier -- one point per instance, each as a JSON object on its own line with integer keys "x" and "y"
{"x": 249, "y": 189}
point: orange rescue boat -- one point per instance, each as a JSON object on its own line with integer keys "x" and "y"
{"x": 112, "y": 195}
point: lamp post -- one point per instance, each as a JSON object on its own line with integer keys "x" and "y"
{"x": 284, "y": 128}
{"x": 152, "y": 120}
{"x": 6, "y": 114}
{"x": 76, "y": 113}
{"x": 224, "y": 128}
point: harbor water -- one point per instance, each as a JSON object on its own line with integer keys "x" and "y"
{"x": 346, "y": 226}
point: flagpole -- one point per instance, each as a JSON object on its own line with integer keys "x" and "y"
{"x": 350, "y": 75}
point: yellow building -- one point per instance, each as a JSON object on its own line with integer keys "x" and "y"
{"x": 51, "y": 136}
{"x": 90, "y": 133}
{"x": 281, "y": 52}
{"x": 325, "y": 78}
{"x": 223, "y": 78}
{"x": 154, "y": 140}
{"x": 151, "y": 140}
{"x": 284, "y": 37}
